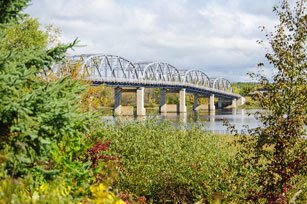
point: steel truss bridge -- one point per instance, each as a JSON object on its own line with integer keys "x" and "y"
{"x": 117, "y": 71}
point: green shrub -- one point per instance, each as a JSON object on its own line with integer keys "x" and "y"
{"x": 168, "y": 164}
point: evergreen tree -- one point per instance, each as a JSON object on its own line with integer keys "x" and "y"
{"x": 36, "y": 116}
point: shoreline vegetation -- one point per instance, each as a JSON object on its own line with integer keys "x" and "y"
{"x": 250, "y": 104}
{"x": 55, "y": 149}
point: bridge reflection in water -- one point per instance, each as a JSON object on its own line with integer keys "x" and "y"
{"x": 121, "y": 73}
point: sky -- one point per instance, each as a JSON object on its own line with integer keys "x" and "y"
{"x": 218, "y": 37}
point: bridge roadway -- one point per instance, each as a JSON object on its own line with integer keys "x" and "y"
{"x": 119, "y": 72}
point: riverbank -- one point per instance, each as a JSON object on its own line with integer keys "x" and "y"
{"x": 249, "y": 104}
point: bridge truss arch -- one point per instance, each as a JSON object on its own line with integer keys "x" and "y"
{"x": 221, "y": 84}
{"x": 106, "y": 66}
{"x": 116, "y": 70}
{"x": 160, "y": 71}
{"x": 196, "y": 77}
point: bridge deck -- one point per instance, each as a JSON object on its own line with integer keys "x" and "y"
{"x": 190, "y": 88}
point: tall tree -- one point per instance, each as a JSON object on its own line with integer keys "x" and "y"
{"x": 277, "y": 149}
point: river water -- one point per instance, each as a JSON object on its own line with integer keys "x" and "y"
{"x": 212, "y": 121}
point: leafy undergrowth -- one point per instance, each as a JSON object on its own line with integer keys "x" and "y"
{"x": 56, "y": 191}
{"x": 171, "y": 165}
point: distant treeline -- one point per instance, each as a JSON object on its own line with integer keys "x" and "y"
{"x": 245, "y": 88}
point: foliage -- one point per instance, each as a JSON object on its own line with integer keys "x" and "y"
{"x": 167, "y": 164}
{"x": 97, "y": 97}
{"x": 245, "y": 88}
{"x": 53, "y": 149}
{"x": 56, "y": 191}
{"x": 23, "y": 191}
{"x": 44, "y": 133}
{"x": 10, "y": 10}
{"x": 34, "y": 115}
{"x": 47, "y": 153}
{"x": 92, "y": 97}
{"x": 277, "y": 150}
{"x": 250, "y": 103}
{"x": 235, "y": 89}
{"x": 24, "y": 35}
{"x": 102, "y": 195}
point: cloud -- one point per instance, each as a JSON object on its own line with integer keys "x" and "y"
{"x": 217, "y": 37}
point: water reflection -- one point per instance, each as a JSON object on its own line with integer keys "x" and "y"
{"x": 213, "y": 120}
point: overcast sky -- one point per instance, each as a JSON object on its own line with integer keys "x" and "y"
{"x": 216, "y": 36}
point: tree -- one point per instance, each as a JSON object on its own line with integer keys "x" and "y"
{"x": 10, "y": 10}
{"x": 45, "y": 136}
{"x": 36, "y": 116}
{"x": 277, "y": 150}
{"x": 246, "y": 90}
{"x": 23, "y": 35}
{"x": 235, "y": 89}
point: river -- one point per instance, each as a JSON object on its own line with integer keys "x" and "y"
{"x": 212, "y": 121}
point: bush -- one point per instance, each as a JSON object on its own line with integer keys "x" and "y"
{"x": 167, "y": 164}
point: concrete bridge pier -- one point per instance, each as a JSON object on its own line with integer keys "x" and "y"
{"x": 220, "y": 103}
{"x": 179, "y": 108}
{"x": 234, "y": 103}
{"x": 199, "y": 107}
{"x": 140, "y": 110}
{"x": 182, "y": 106}
{"x": 195, "y": 104}
{"x": 162, "y": 108}
{"x": 117, "y": 101}
{"x": 212, "y": 115}
{"x": 211, "y": 102}
{"x": 241, "y": 101}
{"x": 120, "y": 110}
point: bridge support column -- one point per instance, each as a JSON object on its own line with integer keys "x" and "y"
{"x": 117, "y": 101}
{"x": 220, "y": 103}
{"x": 234, "y": 103}
{"x": 163, "y": 101}
{"x": 212, "y": 115}
{"x": 212, "y": 106}
{"x": 195, "y": 105}
{"x": 182, "y": 106}
{"x": 241, "y": 101}
{"x": 140, "y": 110}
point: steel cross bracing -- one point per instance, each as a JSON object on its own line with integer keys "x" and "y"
{"x": 114, "y": 70}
